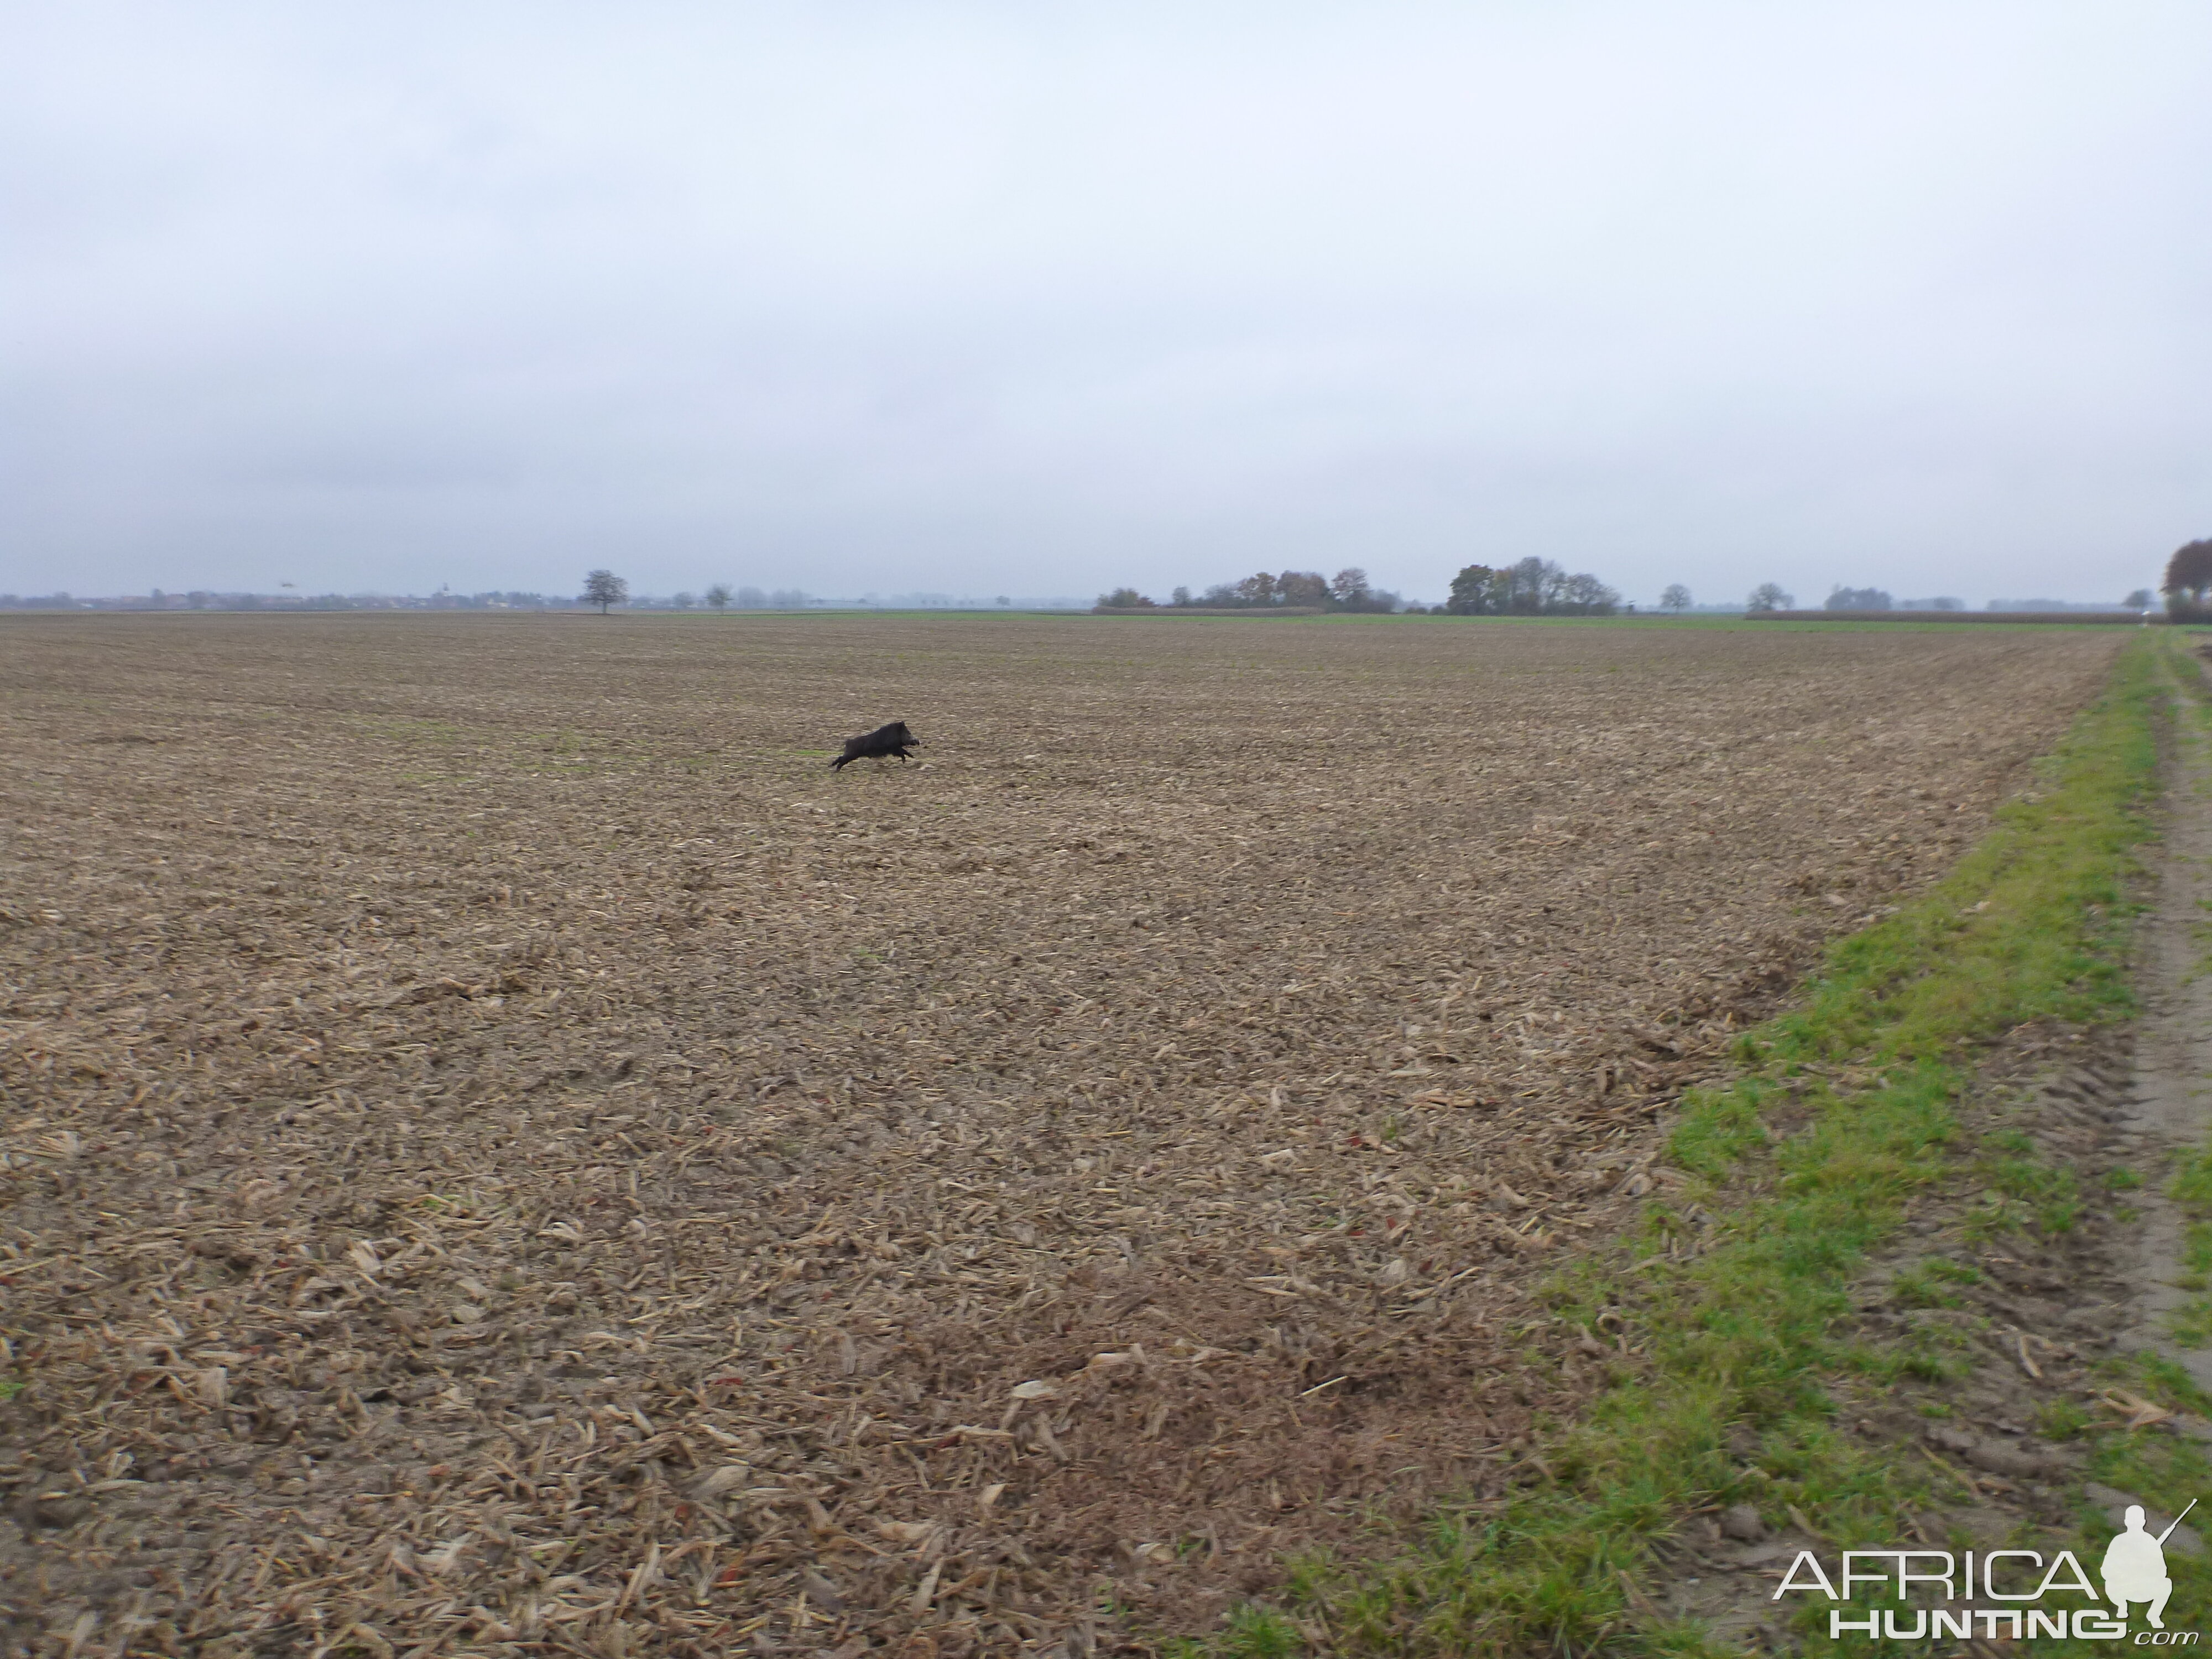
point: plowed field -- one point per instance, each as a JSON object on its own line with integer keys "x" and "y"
{"x": 503, "y": 1148}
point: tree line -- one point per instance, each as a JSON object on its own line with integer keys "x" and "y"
{"x": 1533, "y": 587}
{"x": 1302, "y": 590}
{"x": 604, "y": 588}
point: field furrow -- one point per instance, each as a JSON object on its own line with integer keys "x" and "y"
{"x": 501, "y": 1143}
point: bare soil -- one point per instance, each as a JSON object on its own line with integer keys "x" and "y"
{"x": 503, "y": 1149}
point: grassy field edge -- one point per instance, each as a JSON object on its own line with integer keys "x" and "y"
{"x": 1722, "y": 1311}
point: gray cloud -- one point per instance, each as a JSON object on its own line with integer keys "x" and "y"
{"x": 984, "y": 297}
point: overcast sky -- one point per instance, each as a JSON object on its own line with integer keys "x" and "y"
{"x": 1040, "y": 298}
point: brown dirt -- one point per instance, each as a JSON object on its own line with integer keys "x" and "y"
{"x": 503, "y": 1148}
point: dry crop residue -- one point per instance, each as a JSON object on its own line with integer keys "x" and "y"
{"x": 502, "y": 1144}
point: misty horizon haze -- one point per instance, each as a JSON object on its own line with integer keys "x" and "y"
{"x": 971, "y": 299}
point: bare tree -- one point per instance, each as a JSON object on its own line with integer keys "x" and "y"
{"x": 1531, "y": 586}
{"x": 1676, "y": 598}
{"x": 720, "y": 596}
{"x": 604, "y": 589}
{"x": 1584, "y": 594}
{"x": 1769, "y": 596}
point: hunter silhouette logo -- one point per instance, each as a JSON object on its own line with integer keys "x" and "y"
{"x": 1998, "y": 1594}
{"x": 2135, "y": 1566}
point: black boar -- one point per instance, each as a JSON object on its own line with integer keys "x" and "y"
{"x": 884, "y": 741}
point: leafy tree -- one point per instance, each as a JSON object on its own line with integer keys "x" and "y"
{"x": 1675, "y": 599}
{"x": 1180, "y": 596}
{"x": 1123, "y": 598}
{"x": 1474, "y": 591}
{"x": 1257, "y": 589}
{"x": 1769, "y": 596}
{"x": 1302, "y": 588}
{"x": 1223, "y": 596}
{"x": 2188, "y": 573}
{"x": 682, "y": 601}
{"x": 604, "y": 589}
{"x": 2141, "y": 599}
{"x": 718, "y": 596}
{"x": 751, "y": 599}
{"x": 1857, "y": 598}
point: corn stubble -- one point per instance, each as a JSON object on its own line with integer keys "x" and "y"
{"x": 502, "y": 1146}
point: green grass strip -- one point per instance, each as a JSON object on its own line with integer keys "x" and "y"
{"x": 1740, "y": 1336}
